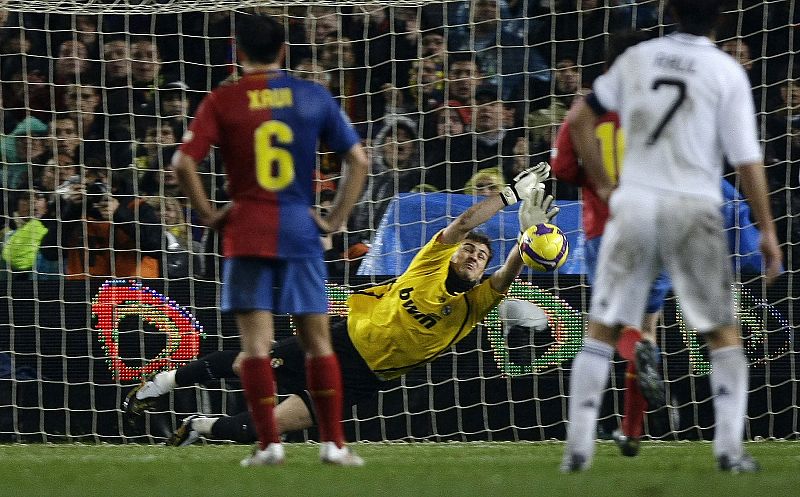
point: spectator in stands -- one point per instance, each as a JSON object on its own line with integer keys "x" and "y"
{"x": 493, "y": 35}
{"x": 26, "y": 92}
{"x": 145, "y": 64}
{"x": 566, "y": 84}
{"x": 394, "y": 169}
{"x": 348, "y": 81}
{"x": 20, "y": 242}
{"x": 27, "y": 144}
{"x": 116, "y": 66}
{"x": 432, "y": 43}
{"x": 87, "y": 33}
{"x": 100, "y": 141}
{"x": 463, "y": 79}
{"x": 180, "y": 256}
{"x": 485, "y": 182}
{"x": 103, "y": 231}
{"x": 175, "y": 105}
{"x": 64, "y": 131}
{"x": 784, "y": 110}
{"x": 492, "y": 142}
{"x": 447, "y": 149}
{"x": 154, "y": 155}
{"x": 426, "y": 84}
{"x": 115, "y": 79}
{"x": 72, "y": 63}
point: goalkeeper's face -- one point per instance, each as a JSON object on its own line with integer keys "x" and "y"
{"x": 469, "y": 261}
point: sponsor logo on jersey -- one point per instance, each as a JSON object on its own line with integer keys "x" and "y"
{"x": 426, "y": 320}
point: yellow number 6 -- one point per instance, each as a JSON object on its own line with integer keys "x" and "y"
{"x": 274, "y": 165}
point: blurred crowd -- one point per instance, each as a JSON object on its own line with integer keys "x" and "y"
{"x": 453, "y": 97}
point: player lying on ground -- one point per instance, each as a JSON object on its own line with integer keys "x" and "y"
{"x": 390, "y": 329}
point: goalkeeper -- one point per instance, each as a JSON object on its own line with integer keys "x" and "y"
{"x": 390, "y": 329}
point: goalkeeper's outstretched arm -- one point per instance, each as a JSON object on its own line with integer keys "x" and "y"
{"x": 479, "y": 213}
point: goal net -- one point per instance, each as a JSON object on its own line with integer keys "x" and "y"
{"x": 451, "y": 100}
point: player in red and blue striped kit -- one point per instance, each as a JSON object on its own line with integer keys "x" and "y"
{"x": 268, "y": 126}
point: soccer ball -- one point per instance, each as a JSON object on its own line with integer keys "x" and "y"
{"x": 543, "y": 247}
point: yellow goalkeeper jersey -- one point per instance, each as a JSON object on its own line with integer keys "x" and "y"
{"x": 401, "y": 325}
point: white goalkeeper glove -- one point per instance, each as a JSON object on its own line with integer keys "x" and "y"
{"x": 524, "y": 182}
{"x": 537, "y": 208}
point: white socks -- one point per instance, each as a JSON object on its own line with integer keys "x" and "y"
{"x": 202, "y": 425}
{"x": 587, "y": 379}
{"x": 729, "y": 380}
{"x": 163, "y": 382}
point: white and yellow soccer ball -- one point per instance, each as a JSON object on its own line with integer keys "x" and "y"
{"x": 543, "y": 247}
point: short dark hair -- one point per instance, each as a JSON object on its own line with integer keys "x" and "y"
{"x": 259, "y": 37}
{"x": 478, "y": 237}
{"x": 697, "y": 17}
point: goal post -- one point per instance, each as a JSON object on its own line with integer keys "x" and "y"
{"x": 450, "y": 98}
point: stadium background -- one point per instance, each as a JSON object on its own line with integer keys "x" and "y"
{"x": 57, "y": 380}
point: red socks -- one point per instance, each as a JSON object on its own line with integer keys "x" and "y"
{"x": 324, "y": 382}
{"x": 635, "y": 404}
{"x": 259, "y": 390}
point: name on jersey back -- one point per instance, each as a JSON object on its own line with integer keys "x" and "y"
{"x": 268, "y": 98}
{"x": 675, "y": 62}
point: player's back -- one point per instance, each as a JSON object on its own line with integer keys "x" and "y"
{"x": 684, "y": 104}
{"x": 269, "y": 127}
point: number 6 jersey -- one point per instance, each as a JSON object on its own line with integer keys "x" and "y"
{"x": 684, "y": 104}
{"x": 268, "y": 126}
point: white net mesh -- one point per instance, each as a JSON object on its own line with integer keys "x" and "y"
{"x": 450, "y": 98}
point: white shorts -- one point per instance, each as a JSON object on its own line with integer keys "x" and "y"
{"x": 647, "y": 232}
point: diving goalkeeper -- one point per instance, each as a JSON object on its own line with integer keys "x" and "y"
{"x": 390, "y": 329}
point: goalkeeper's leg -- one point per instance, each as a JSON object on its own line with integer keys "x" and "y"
{"x": 214, "y": 366}
{"x": 290, "y": 415}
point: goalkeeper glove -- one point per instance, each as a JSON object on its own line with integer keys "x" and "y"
{"x": 524, "y": 182}
{"x": 537, "y": 208}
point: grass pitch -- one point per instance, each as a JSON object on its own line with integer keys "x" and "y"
{"x": 421, "y": 469}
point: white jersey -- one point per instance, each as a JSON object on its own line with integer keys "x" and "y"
{"x": 684, "y": 104}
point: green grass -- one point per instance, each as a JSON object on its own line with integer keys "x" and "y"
{"x": 429, "y": 469}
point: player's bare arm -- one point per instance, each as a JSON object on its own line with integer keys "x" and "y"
{"x": 502, "y": 278}
{"x": 186, "y": 169}
{"x": 754, "y": 184}
{"x": 582, "y": 120}
{"x": 350, "y": 188}
{"x": 471, "y": 218}
{"x": 520, "y": 188}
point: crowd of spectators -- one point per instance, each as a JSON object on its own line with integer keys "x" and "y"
{"x": 452, "y": 97}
